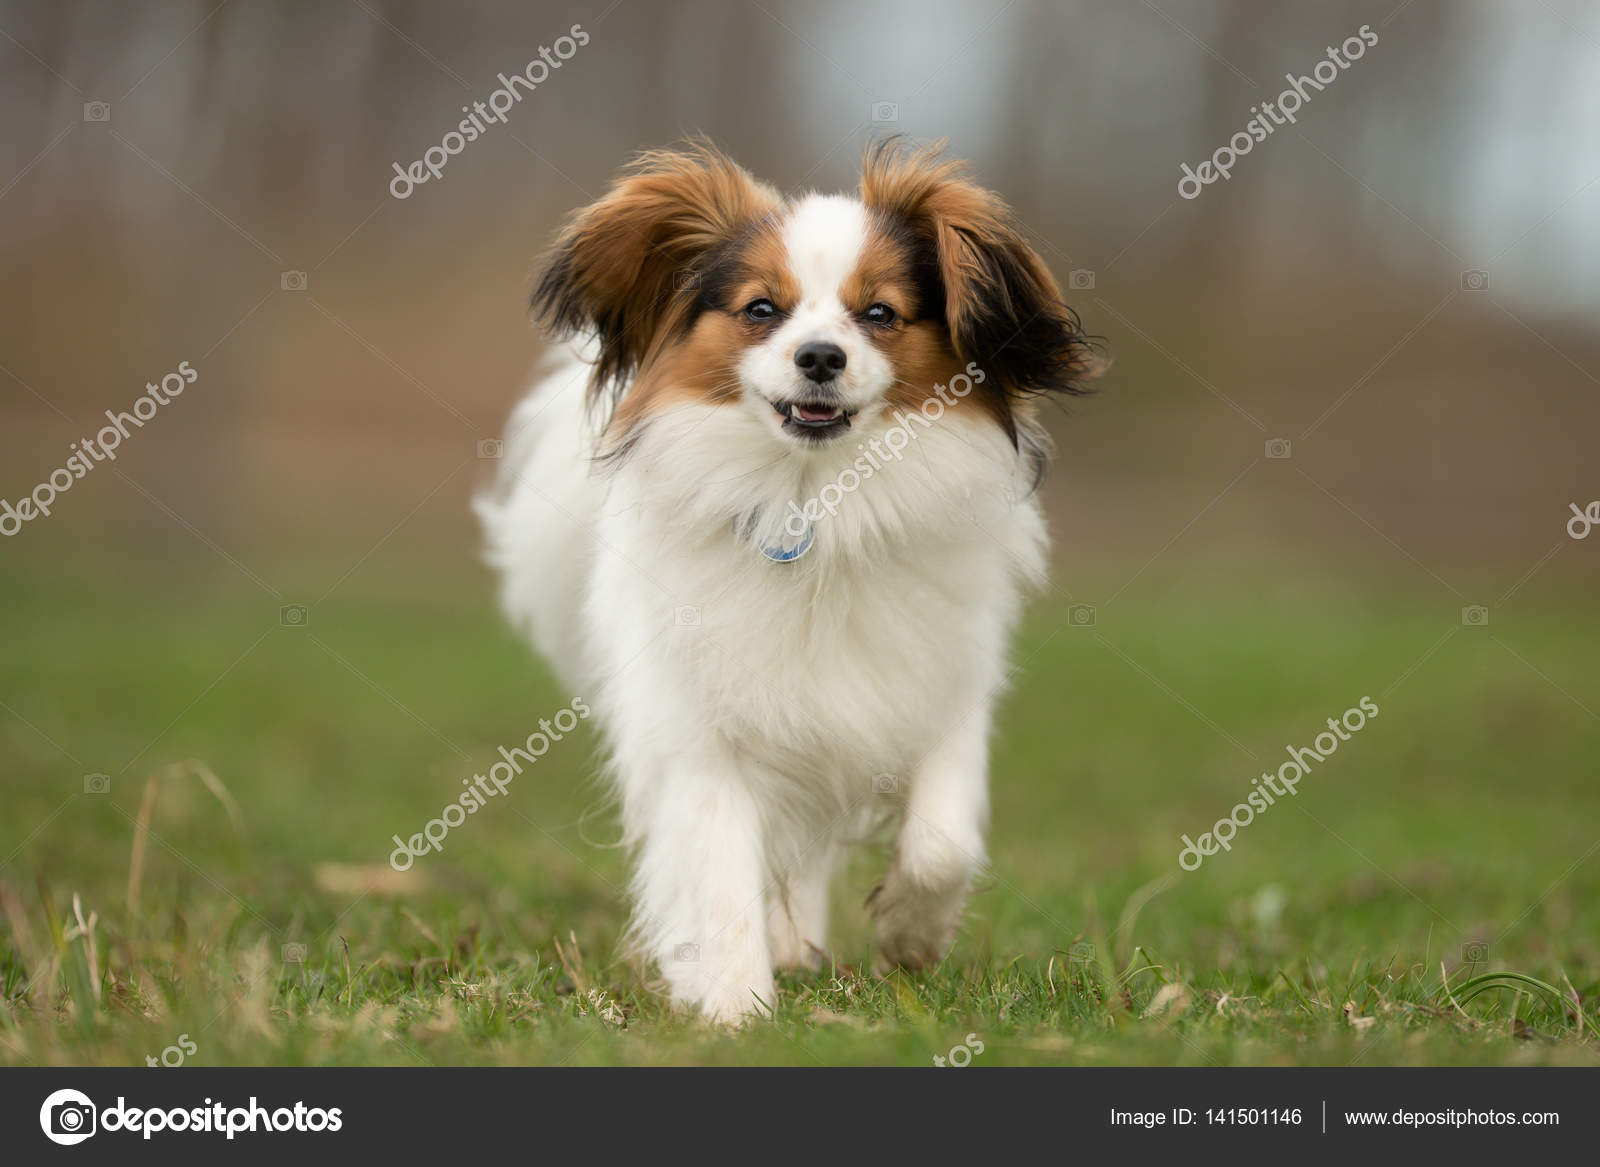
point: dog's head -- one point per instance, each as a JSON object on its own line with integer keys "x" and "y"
{"x": 819, "y": 313}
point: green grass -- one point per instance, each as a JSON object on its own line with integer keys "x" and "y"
{"x": 1454, "y": 837}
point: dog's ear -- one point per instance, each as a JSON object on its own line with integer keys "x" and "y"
{"x": 1000, "y": 303}
{"x": 628, "y": 266}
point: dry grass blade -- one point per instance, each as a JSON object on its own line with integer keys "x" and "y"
{"x": 1170, "y": 999}
{"x": 141, "y": 841}
{"x": 84, "y": 929}
{"x": 1354, "y": 1020}
{"x": 1577, "y": 1003}
{"x": 573, "y": 963}
{"x": 147, "y": 808}
{"x": 1444, "y": 977}
{"x": 428, "y": 933}
{"x": 363, "y": 879}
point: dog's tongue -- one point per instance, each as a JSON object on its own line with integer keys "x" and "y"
{"x": 815, "y": 412}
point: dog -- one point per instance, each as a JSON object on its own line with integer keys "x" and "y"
{"x": 775, "y": 516}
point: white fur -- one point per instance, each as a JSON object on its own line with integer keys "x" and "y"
{"x": 823, "y": 237}
{"x": 761, "y": 715}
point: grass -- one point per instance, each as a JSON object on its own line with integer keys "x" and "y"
{"x": 1430, "y": 896}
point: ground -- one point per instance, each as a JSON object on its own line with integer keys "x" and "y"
{"x": 1430, "y": 895}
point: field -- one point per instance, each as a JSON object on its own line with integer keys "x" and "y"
{"x": 1430, "y": 895}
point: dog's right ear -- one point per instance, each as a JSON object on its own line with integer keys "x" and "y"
{"x": 628, "y": 266}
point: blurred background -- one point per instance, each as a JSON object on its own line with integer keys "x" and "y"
{"x": 1353, "y": 393}
{"x": 1315, "y": 296}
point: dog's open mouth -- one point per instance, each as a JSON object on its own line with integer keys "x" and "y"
{"x": 813, "y": 419}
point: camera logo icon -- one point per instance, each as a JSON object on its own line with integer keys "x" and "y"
{"x": 686, "y": 953}
{"x": 885, "y": 111}
{"x": 293, "y": 615}
{"x": 884, "y": 784}
{"x": 67, "y": 1117}
{"x": 1278, "y": 448}
{"x": 685, "y": 279}
{"x": 292, "y": 281}
{"x": 294, "y": 954}
{"x": 490, "y": 448}
{"x": 687, "y": 616}
{"x": 1475, "y": 616}
{"x": 1081, "y": 615}
{"x": 1081, "y": 280}
{"x": 1081, "y": 952}
{"x": 97, "y": 111}
{"x": 97, "y": 783}
{"x": 1474, "y": 952}
{"x": 1475, "y": 280}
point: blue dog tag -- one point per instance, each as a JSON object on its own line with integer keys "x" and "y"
{"x": 790, "y": 548}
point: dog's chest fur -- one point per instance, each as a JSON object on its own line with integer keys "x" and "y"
{"x": 843, "y": 665}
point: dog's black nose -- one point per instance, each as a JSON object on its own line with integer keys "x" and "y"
{"x": 820, "y": 360}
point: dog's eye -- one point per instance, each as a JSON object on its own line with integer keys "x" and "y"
{"x": 880, "y": 314}
{"x": 761, "y": 309}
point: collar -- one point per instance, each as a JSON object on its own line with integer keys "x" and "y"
{"x": 786, "y": 548}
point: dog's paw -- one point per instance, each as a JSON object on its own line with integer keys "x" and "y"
{"x": 916, "y": 927}
{"x": 735, "y": 1010}
{"x": 723, "y": 996}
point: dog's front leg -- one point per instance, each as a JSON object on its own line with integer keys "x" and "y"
{"x": 797, "y": 908}
{"x": 699, "y": 886}
{"x": 938, "y": 850}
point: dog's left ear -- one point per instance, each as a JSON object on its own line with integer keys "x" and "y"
{"x": 627, "y": 266}
{"x": 1001, "y": 305}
